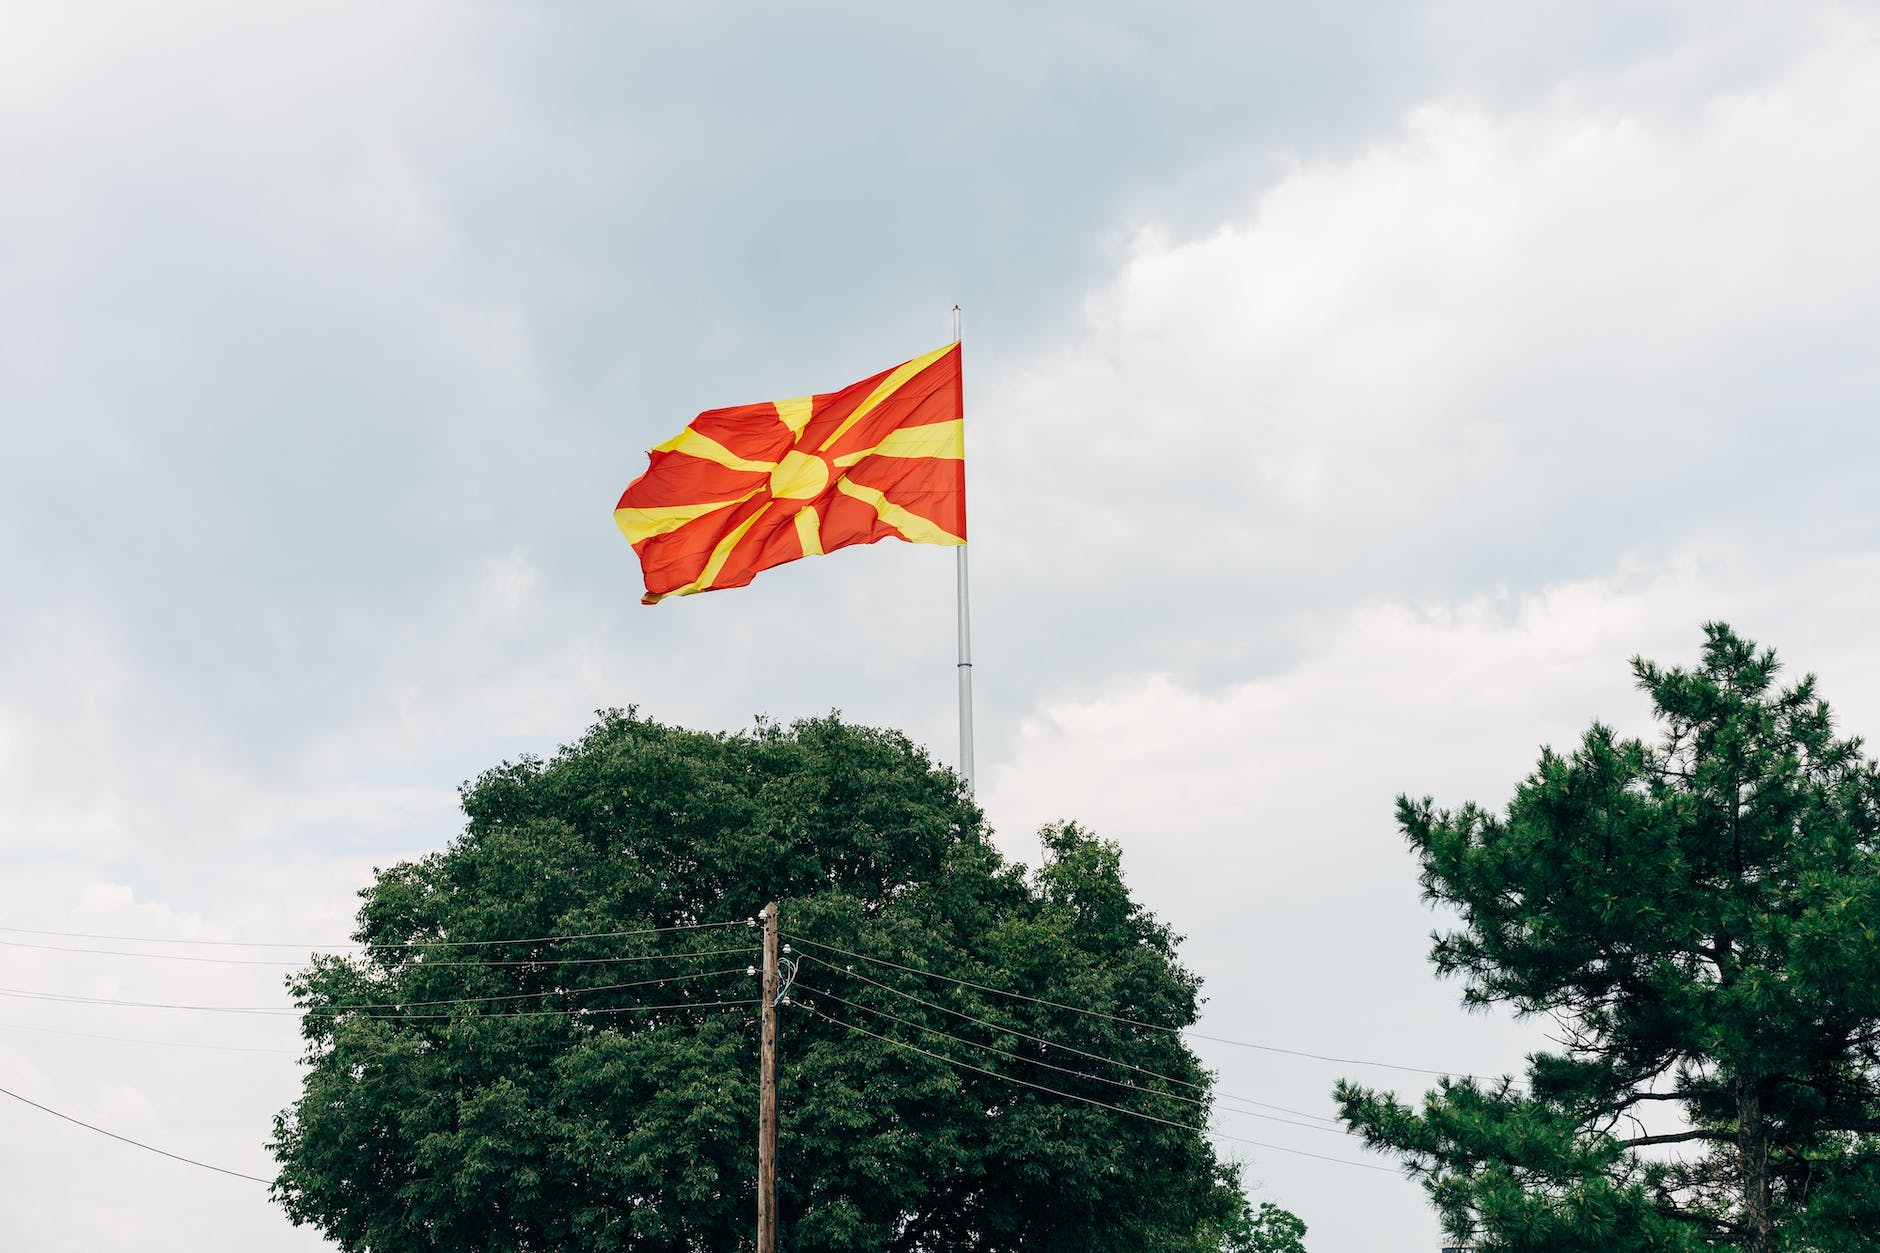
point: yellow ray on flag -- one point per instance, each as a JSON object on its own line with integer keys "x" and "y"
{"x": 743, "y": 489}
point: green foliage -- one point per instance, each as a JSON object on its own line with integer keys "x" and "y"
{"x": 1700, "y": 918}
{"x": 488, "y": 1128}
{"x": 1269, "y": 1230}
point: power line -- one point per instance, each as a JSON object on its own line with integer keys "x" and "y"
{"x": 421, "y": 945}
{"x": 1035, "y": 1039}
{"x": 69, "y": 999}
{"x": 954, "y": 1061}
{"x": 573, "y": 1011}
{"x": 1322, "y": 1057}
{"x": 1049, "y": 1043}
{"x": 148, "y": 1148}
{"x": 981, "y": 987}
{"x": 126, "y": 1039}
{"x": 1341, "y": 1161}
{"x": 577, "y": 1012}
{"x": 1323, "y": 1124}
{"x": 1168, "y": 1122}
{"x": 402, "y": 944}
{"x": 157, "y": 939}
{"x": 1064, "y": 1070}
{"x": 430, "y": 965}
{"x": 1132, "y": 1022}
{"x": 174, "y": 957}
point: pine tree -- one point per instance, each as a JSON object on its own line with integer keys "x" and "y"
{"x": 1700, "y": 919}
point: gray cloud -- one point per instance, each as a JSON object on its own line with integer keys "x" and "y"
{"x": 1323, "y": 368}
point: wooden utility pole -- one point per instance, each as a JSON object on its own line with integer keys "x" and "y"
{"x": 767, "y": 1095}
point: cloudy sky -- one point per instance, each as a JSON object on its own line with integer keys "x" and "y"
{"x": 1352, "y": 389}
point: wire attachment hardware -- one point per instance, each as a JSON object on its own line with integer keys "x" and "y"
{"x": 787, "y": 968}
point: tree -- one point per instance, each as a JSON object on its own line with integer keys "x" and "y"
{"x": 582, "y": 1105}
{"x": 1269, "y": 1230}
{"x": 1700, "y": 918}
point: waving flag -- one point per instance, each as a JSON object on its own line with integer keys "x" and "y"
{"x": 743, "y": 489}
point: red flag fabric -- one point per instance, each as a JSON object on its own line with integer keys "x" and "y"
{"x": 743, "y": 489}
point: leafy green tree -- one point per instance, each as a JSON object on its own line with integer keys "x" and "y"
{"x": 582, "y": 1114}
{"x": 1270, "y": 1229}
{"x": 1700, "y": 918}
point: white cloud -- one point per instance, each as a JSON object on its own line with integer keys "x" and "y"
{"x": 1375, "y": 487}
{"x": 1491, "y": 347}
{"x": 1295, "y": 770}
{"x": 1256, "y": 815}
{"x": 18, "y": 1073}
{"x": 123, "y": 1107}
{"x": 1370, "y": 487}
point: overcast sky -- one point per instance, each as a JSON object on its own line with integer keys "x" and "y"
{"x": 1352, "y": 389}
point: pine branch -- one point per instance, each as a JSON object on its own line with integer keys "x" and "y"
{"x": 1679, "y": 1137}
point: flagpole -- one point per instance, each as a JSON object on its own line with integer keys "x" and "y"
{"x": 965, "y": 667}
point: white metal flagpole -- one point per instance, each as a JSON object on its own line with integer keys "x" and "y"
{"x": 965, "y": 667}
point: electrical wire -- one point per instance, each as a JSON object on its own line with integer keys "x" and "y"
{"x": 1168, "y": 1122}
{"x": 1132, "y": 1022}
{"x": 523, "y": 996}
{"x": 849, "y": 972}
{"x": 126, "y": 1039}
{"x": 1025, "y": 1083}
{"x": 1035, "y": 1039}
{"x": 1339, "y": 1061}
{"x": 578, "y": 1012}
{"x": 69, "y": 999}
{"x": 148, "y": 1148}
{"x": 1341, "y": 1161}
{"x": 429, "y": 965}
{"x": 402, "y": 944}
{"x": 1064, "y": 1070}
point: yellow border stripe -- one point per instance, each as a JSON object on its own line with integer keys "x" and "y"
{"x": 888, "y": 386}
{"x": 705, "y": 448}
{"x": 913, "y": 528}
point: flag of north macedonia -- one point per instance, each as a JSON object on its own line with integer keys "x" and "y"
{"x": 743, "y": 489}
